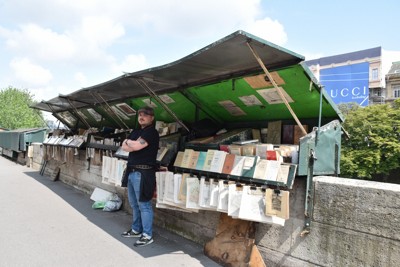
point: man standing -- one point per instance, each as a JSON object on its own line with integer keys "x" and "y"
{"x": 142, "y": 145}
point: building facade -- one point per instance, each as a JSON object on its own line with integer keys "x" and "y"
{"x": 352, "y": 77}
{"x": 393, "y": 82}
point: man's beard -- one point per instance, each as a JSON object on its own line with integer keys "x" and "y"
{"x": 144, "y": 124}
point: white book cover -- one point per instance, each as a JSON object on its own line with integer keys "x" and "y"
{"x": 261, "y": 150}
{"x": 160, "y": 184}
{"x": 120, "y": 172}
{"x": 252, "y": 207}
{"x": 273, "y": 167}
{"x": 177, "y": 183}
{"x": 106, "y": 170}
{"x": 169, "y": 189}
{"x": 192, "y": 193}
{"x": 208, "y": 160}
{"x": 260, "y": 171}
{"x": 204, "y": 194}
{"x": 214, "y": 194}
{"x": 238, "y": 166}
{"x": 113, "y": 170}
{"x": 223, "y": 197}
{"x": 283, "y": 173}
{"x": 234, "y": 199}
{"x": 217, "y": 162}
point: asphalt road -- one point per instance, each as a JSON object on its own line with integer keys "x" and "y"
{"x": 46, "y": 223}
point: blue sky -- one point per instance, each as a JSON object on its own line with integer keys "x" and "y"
{"x": 53, "y": 47}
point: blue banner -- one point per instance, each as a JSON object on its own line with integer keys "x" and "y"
{"x": 347, "y": 83}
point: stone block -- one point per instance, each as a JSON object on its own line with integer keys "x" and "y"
{"x": 363, "y": 206}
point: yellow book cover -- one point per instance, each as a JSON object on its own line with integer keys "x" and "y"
{"x": 182, "y": 187}
{"x": 235, "y": 149}
{"x": 248, "y": 150}
{"x": 193, "y": 159}
{"x": 178, "y": 159}
{"x": 186, "y": 158}
{"x": 277, "y": 203}
{"x": 209, "y": 158}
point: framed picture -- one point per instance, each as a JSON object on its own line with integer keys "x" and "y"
{"x": 94, "y": 114}
{"x": 126, "y": 109}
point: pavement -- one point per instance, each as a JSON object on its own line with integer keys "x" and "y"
{"x": 46, "y": 223}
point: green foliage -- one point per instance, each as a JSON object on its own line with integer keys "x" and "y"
{"x": 374, "y": 144}
{"x": 346, "y": 108}
{"x": 15, "y": 112}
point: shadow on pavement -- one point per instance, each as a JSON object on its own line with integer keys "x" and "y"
{"x": 114, "y": 223}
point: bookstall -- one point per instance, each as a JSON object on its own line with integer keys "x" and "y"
{"x": 15, "y": 143}
{"x": 239, "y": 121}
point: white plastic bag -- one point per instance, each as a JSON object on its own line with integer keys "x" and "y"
{"x": 113, "y": 204}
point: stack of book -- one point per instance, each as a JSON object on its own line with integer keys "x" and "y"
{"x": 217, "y": 161}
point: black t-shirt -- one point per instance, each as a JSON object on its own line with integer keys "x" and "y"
{"x": 147, "y": 155}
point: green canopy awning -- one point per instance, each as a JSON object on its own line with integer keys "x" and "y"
{"x": 222, "y": 81}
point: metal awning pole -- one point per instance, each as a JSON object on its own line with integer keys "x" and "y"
{"x": 105, "y": 109}
{"x": 109, "y": 107}
{"x": 77, "y": 113}
{"x": 54, "y": 114}
{"x": 159, "y": 100}
{"x": 277, "y": 88}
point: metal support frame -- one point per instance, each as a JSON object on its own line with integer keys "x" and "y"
{"x": 107, "y": 110}
{"x": 151, "y": 93}
{"x": 262, "y": 65}
{"x": 309, "y": 202}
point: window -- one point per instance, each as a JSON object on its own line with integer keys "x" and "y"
{"x": 396, "y": 93}
{"x": 374, "y": 74}
{"x": 378, "y": 92}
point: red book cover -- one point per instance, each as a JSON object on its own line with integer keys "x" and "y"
{"x": 224, "y": 148}
{"x": 272, "y": 155}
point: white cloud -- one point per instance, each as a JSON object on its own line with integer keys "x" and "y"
{"x": 100, "y": 31}
{"x": 194, "y": 18}
{"x": 310, "y": 56}
{"x": 30, "y": 73}
{"x": 89, "y": 42}
{"x": 80, "y": 78}
{"x": 40, "y": 43}
{"x": 268, "y": 29}
{"x": 131, "y": 63}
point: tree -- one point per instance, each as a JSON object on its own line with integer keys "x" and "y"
{"x": 374, "y": 144}
{"x": 15, "y": 111}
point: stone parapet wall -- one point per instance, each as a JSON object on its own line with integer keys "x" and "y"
{"x": 355, "y": 223}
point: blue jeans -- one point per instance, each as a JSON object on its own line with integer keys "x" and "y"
{"x": 142, "y": 211}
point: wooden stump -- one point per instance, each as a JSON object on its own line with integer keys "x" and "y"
{"x": 233, "y": 243}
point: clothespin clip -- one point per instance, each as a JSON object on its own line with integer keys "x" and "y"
{"x": 238, "y": 184}
{"x": 277, "y": 191}
{"x": 264, "y": 186}
{"x": 227, "y": 181}
{"x": 252, "y": 185}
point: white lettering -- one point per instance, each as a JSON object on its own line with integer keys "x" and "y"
{"x": 355, "y": 91}
{"x": 344, "y": 92}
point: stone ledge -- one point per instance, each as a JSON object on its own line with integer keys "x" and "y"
{"x": 363, "y": 206}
